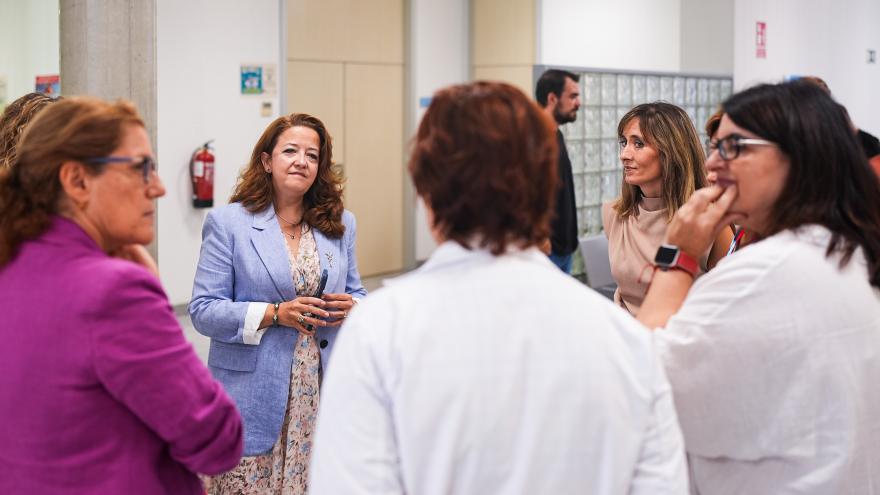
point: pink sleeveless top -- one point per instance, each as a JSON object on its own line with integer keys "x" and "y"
{"x": 632, "y": 244}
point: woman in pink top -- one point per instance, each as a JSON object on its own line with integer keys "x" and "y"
{"x": 663, "y": 164}
{"x": 99, "y": 391}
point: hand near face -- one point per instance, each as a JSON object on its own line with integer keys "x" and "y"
{"x": 697, "y": 223}
{"x": 138, "y": 254}
{"x": 339, "y": 305}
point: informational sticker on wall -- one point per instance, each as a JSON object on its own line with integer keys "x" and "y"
{"x": 49, "y": 85}
{"x": 259, "y": 79}
{"x": 760, "y": 39}
{"x": 251, "y": 80}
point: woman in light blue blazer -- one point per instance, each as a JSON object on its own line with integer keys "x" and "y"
{"x": 257, "y": 294}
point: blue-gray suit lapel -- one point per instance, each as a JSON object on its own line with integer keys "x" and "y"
{"x": 329, "y": 256}
{"x": 270, "y": 246}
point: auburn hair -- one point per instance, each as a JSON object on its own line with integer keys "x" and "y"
{"x": 713, "y": 123}
{"x": 484, "y": 161}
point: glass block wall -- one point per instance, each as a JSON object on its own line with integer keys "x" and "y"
{"x": 592, "y": 139}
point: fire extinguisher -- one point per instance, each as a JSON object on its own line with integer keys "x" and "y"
{"x": 201, "y": 172}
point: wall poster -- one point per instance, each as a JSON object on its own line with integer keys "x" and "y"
{"x": 49, "y": 85}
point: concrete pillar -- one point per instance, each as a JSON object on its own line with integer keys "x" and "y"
{"x": 108, "y": 50}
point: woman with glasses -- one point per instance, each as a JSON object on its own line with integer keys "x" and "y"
{"x": 741, "y": 237}
{"x": 774, "y": 356}
{"x": 662, "y": 166}
{"x": 276, "y": 278}
{"x": 99, "y": 390}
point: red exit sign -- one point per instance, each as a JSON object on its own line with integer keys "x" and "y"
{"x": 761, "y": 39}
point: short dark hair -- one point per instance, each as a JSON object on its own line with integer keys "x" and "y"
{"x": 829, "y": 181}
{"x": 484, "y": 161}
{"x": 552, "y": 81}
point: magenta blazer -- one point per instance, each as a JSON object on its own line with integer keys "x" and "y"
{"x": 99, "y": 391}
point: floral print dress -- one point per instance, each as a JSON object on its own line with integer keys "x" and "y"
{"x": 285, "y": 470}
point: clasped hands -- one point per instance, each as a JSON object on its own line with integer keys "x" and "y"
{"x": 306, "y": 313}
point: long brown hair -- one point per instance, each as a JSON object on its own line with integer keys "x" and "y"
{"x": 667, "y": 128}
{"x": 30, "y": 191}
{"x": 323, "y": 201}
{"x": 15, "y": 118}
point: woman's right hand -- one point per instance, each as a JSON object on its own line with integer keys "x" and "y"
{"x": 698, "y": 222}
{"x": 138, "y": 254}
{"x": 301, "y": 312}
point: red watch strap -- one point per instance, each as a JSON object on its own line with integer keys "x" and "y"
{"x": 687, "y": 263}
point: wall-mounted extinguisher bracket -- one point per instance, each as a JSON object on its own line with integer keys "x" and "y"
{"x": 201, "y": 173}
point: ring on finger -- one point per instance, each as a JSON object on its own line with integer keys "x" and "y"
{"x": 301, "y": 319}
{"x": 345, "y": 314}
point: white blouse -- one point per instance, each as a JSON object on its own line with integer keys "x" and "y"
{"x": 479, "y": 374}
{"x": 774, "y": 361}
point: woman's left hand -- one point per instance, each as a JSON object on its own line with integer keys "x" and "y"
{"x": 697, "y": 223}
{"x": 338, "y": 305}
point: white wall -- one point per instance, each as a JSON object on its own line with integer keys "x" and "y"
{"x": 814, "y": 37}
{"x": 634, "y": 35}
{"x": 439, "y": 56}
{"x": 694, "y": 36}
{"x": 200, "y": 45}
{"x": 29, "y": 43}
{"x": 707, "y": 36}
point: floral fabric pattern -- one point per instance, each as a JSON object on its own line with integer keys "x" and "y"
{"x": 284, "y": 471}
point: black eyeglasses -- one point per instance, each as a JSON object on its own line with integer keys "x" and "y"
{"x": 730, "y": 146}
{"x": 147, "y": 164}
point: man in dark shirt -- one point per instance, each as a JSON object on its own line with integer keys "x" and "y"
{"x": 558, "y": 94}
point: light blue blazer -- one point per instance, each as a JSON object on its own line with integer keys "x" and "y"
{"x": 244, "y": 259}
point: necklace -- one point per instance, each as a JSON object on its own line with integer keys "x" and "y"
{"x": 293, "y": 225}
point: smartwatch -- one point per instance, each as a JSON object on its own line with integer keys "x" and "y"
{"x": 671, "y": 257}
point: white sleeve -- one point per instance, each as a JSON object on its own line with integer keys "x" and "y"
{"x": 252, "y": 334}
{"x": 732, "y": 354}
{"x": 662, "y": 466}
{"x": 355, "y": 451}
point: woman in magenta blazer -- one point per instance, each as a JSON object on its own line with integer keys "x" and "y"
{"x": 99, "y": 391}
